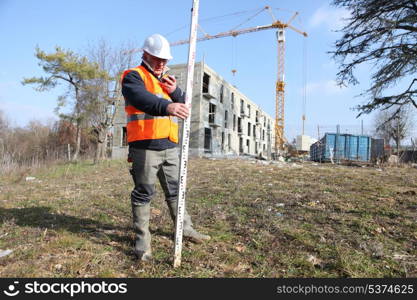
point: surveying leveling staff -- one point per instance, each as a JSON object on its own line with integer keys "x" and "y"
{"x": 152, "y": 103}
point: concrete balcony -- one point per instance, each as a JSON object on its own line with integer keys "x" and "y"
{"x": 244, "y": 113}
{"x": 215, "y": 122}
{"x": 209, "y": 92}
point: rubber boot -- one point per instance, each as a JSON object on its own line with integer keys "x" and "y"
{"x": 141, "y": 216}
{"x": 188, "y": 230}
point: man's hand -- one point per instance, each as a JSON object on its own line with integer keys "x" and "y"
{"x": 169, "y": 84}
{"x": 179, "y": 110}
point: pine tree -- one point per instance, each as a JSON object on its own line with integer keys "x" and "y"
{"x": 74, "y": 70}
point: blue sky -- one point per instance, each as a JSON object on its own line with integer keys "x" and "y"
{"x": 74, "y": 24}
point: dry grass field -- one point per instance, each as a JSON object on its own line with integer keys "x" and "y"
{"x": 266, "y": 220}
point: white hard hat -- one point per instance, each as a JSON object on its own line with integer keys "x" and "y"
{"x": 158, "y": 46}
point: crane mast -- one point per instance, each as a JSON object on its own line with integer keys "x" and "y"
{"x": 280, "y": 93}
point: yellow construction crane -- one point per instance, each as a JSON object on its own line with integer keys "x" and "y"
{"x": 280, "y": 84}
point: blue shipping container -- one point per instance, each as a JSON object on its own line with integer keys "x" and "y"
{"x": 341, "y": 147}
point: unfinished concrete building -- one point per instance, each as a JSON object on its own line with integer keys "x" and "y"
{"x": 223, "y": 120}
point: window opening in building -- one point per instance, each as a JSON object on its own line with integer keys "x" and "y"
{"x": 249, "y": 126}
{"x": 222, "y": 141}
{"x": 225, "y": 118}
{"x": 234, "y": 122}
{"x": 239, "y": 125}
{"x": 221, "y": 93}
{"x": 124, "y": 137}
{"x": 269, "y": 133}
{"x": 206, "y": 83}
{"x": 212, "y": 113}
{"x": 233, "y": 100}
{"x": 207, "y": 139}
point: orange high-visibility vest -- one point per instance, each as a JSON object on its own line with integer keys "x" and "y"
{"x": 142, "y": 126}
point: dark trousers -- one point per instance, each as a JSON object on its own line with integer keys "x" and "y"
{"x": 147, "y": 167}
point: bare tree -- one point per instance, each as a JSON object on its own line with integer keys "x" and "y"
{"x": 393, "y": 125}
{"x": 4, "y": 122}
{"x": 4, "y": 125}
{"x": 101, "y": 99}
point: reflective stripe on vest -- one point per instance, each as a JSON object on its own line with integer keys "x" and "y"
{"x": 137, "y": 117}
{"x": 142, "y": 126}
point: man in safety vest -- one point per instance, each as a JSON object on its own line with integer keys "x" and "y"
{"x": 153, "y": 102}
